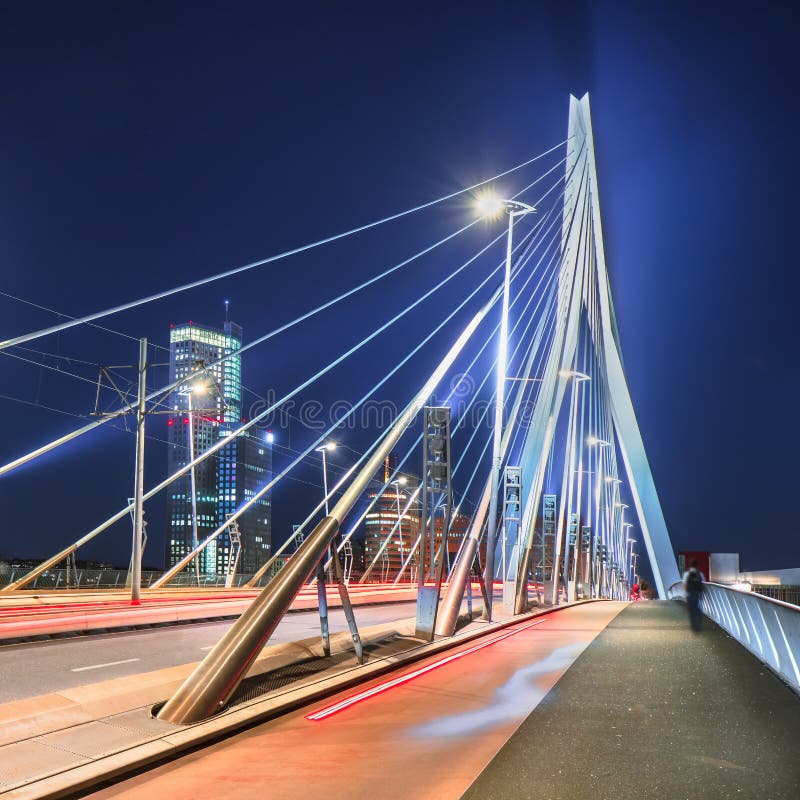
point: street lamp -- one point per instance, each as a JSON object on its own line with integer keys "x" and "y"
{"x": 401, "y": 481}
{"x": 329, "y": 446}
{"x": 628, "y": 541}
{"x": 599, "y": 567}
{"x": 322, "y": 598}
{"x": 193, "y": 388}
{"x": 489, "y": 205}
{"x": 567, "y": 486}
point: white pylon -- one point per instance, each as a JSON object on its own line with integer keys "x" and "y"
{"x": 582, "y": 237}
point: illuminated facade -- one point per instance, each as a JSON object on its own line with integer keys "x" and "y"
{"x": 382, "y": 520}
{"x": 379, "y": 523}
{"x": 230, "y": 477}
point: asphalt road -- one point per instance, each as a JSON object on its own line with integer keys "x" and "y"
{"x": 426, "y": 738}
{"x": 38, "y": 668}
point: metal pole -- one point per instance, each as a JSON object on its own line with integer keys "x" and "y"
{"x": 138, "y": 483}
{"x": 399, "y": 522}
{"x": 193, "y": 485}
{"x": 497, "y": 455}
{"x": 325, "y": 481}
{"x": 322, "y": 595}
{"x": 562, "y": 534}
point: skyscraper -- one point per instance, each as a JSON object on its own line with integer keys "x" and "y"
{"x": 206, "y": 408}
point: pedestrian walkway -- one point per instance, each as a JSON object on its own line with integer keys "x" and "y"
{"x": 650, "y": 710}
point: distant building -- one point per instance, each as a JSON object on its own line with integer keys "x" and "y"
{"x": 382, "y": 521}
{"x": 717, "y": 567}
{"x": 224, "y": 481}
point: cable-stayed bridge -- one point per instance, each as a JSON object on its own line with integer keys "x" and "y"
{"x": 535, "y": 458}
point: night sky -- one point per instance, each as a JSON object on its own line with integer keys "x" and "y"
{"x": 143, "y": 145}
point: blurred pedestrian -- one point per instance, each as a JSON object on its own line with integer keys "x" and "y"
{"x": 693, "y": 581}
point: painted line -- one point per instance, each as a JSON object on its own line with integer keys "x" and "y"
{"x": 379, "y": 688}
{"x": 208, "y": 648}
{"x": 109, "y": 664}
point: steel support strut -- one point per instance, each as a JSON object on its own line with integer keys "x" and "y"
{"x": 216, "y": 678}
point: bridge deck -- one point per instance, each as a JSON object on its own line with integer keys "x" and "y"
{"x": 651, "y": 711}
{"x": 601, "y": 700}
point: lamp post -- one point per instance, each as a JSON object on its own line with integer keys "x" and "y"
{"x": 192, "y": 389}
{"x": 577, "y": 377}
{"x": 620, "y": 548}
{"x": 615, "y": 504}
{"x": 324, "y": 449}
{"x": 628, "y": 541}
{"x": 401, "y": 481}
{"x": 322, "y": 597}
{"x": 600, "y": 571}
{"x": 489, "y": 205}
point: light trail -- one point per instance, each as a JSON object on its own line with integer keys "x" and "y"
{"x": 379, "y": 688}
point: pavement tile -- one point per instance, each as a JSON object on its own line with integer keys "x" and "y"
{"x": 92, "y": 740}
{"x": 22, "y": 762}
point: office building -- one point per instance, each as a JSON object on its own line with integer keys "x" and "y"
{"x": 206, "y": 408}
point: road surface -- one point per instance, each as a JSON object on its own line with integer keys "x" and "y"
{"x": 50, "y": 666}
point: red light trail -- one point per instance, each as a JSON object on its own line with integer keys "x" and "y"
{"x": 379, "y": 688}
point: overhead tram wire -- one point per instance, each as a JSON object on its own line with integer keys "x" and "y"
{"x": 164, "y": 391}
{"x": 264, "y": 261}
{"x": 67, "y": 316}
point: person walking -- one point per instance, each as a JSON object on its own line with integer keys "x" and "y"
{"x": 693, "y": 581}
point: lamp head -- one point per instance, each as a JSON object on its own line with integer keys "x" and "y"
{"x": 489, "y": 205}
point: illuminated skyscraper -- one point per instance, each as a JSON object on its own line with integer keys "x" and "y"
{"x": 207, "y": 408}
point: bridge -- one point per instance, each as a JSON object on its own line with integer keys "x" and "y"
{"x": 501, "y": 658}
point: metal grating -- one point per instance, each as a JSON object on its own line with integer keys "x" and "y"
{"x": 260, "y": 685}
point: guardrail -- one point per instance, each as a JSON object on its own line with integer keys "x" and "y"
{"x": 788, "y": 594}
{"x": 117, "y": 578}
{"x": 769, "y": 629}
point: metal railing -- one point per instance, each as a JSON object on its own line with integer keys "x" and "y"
{"x": 59, "y": 579}
{"x": 787, "y": 594}
{"x": 769, "y": 629}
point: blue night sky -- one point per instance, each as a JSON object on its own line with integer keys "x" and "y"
{"x": 143, "y": 145}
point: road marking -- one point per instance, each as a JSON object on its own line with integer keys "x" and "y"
{"x": 109, "y": 664}
{"x": 209, "y": 647}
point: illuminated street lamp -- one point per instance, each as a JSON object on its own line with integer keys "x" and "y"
{"x": 628, "y": 541}
{"x": 328, "y": 446}
{"x": 567, "y": 486}
{"x": 401, "y": 481}
{"x": 489, "y": 205}
{"x": 194, "y": 387}
{"x": 322, "y": 597}
{"x": 599, "y": 567}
